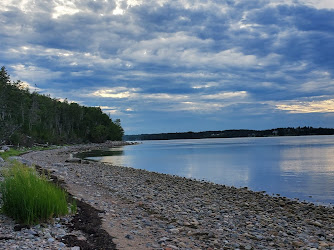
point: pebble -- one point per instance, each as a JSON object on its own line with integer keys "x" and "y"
{"x": 36, "y": 237}
{"x": 170, "y": 212}
{"x": 129, "y": 237}
{"x": 174, "y": 230}
{"x": 50, "y": 240}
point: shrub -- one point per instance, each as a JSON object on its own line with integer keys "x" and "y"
{"x": 29, "y": 198}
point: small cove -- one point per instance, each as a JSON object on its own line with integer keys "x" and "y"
{"x": 295, "y": 167}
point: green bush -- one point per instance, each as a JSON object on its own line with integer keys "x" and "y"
{"x": 29, "y": 198}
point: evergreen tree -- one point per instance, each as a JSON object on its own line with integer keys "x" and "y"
{"x": 30, "y": 117}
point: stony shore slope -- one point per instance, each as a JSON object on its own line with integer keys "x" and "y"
{"x": 146, "y": 210}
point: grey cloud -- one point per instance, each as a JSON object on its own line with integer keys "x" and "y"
{"x": 273, "y": 52}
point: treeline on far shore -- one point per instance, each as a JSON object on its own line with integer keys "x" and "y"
{"x": 27, "y": 118}
{"x": 299, "y": 131}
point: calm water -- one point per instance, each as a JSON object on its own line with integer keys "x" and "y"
{"x": 296, "y": 167}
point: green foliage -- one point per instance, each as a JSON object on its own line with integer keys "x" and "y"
{"x": 16, "y": 152}
{"x": 29, "y": 198}
{"x": 27, "y": 117}
{"x": 11, "y": 152}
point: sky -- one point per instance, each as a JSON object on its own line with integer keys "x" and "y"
{"x": 178, "y": 65}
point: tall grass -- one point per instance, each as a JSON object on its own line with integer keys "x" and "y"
{"x": 29, "y": 198}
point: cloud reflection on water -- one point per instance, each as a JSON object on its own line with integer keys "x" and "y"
{"x": 296, "y": 167}
{"x": 309, "y": 171}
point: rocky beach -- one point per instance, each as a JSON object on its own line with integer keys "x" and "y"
{"x": 146, "y": 210}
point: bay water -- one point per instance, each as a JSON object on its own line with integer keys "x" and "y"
{"x": 295, "y": 167}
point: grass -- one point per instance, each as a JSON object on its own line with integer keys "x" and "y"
{"x": 12, "y": 152}
{"x": 16, "y": 152}
{"x": 29, "y": 198}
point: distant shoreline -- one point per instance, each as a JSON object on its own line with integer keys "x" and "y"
{"x": 236, "y": 133}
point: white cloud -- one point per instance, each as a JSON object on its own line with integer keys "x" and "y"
{"x": 281, "y": 2}
{"x": 63, "y": 7}
{"x": 191, "y": 51}
{"x": 30, "y": 87}
{"x": 118, "y": 93}
{"x": 195, "y": 102}
{"x": 69, "y": 57}
{"x": 196, "y": 55}
{"x": 319, "y": 4}
{"x": 196, "y": 106}
{"x": 34, "y": 74}
{"x": 295, "y": 107}
{"x": 23, "y": 5}
{"x": 226, "y": 95}
{"x": 110, "y": 110}
{"x": 118, "y": 10}
{"x": 205, "y": 85}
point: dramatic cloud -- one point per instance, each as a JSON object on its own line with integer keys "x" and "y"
{"x": 325, "y": 106}
{"x": 165, "y": 65}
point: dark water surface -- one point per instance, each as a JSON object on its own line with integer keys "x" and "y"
{"x": 296, "y": 167}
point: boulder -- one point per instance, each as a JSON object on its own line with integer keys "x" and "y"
{"x": 21, "y": 160}
{"x": 5, "y": 148}
{"x": 72, "y": 159}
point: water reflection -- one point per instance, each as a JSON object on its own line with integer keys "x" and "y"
{"x": 100, "y": 155}
{"x": 309, "y": 171}
{"x": 297, "y": 167}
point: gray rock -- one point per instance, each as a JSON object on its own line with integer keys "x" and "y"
{"x": 61, "y": 244}
{"x": 163, "y": 239}
{"x": 21, "y": 160}
{"x": 129, "y": 237}
{"x": 5, "y": 148}
{"x": 248, "y": 247}
{"x": 147, "y": 222}
{"x": 50, "y": 240}
{"x": 172, "y": 247}
{"x": 73, "y": 160}
{"x": 61, "y": 232}
{"x": 2, "y": 162}
{"x": 47, "y": 235}
{"x": 33, "y": 232}
{"x": 60, "y": 165}
{"x": 174, "y": 230}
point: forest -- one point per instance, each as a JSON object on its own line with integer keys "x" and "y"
{"x": 29, "y": 117}
{"x": 299, "y": 131}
